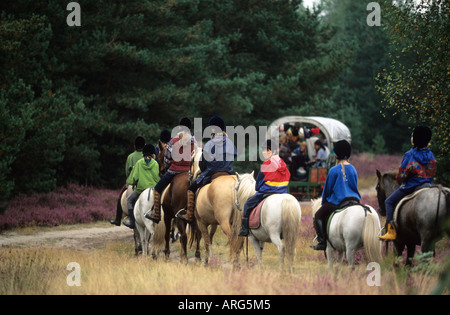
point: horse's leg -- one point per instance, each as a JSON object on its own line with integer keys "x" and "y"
{"x": 410, "y": 250}
{"x": 330, "y": 256}
{"x": 350, "y": 254}
{"x": 140, "y": 232}
{"x": 183, "y": 241}
{"x": 399, "y": 247}
{"x": 206, "y": 240}
{"x": 167, "y": 222}
{"x": 276, "y": 240}
{"x": 198, "y": 235}
{"x": 258, "y": 246}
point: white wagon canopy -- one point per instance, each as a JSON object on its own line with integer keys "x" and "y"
{"x": 333, "y": 129}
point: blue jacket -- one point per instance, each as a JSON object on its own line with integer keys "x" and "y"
{"x": 218, "y": 156}
{"x": 337, "y": 187}
{"x": 418, "y": 167}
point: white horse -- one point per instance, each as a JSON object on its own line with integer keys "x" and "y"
{"x": 351, "y": 230}
{"x": 280, "y": 219}
{"x": 151, "y": 234}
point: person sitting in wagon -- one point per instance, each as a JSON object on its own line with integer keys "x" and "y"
{"x": 272, "y": 179}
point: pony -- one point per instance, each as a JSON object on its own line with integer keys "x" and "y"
{"x": 151, "y": 234}
{"x": 280, "y": 219}
{"x": 215, "y": 206}
{"x": 174, "y": 199}
{"x": 420, "y": 220}
{"x": 351, "y": 230}
{"x": 122, "y": 203}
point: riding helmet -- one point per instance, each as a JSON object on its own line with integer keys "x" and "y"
{"x": 421, "y": 136}
{"x": 343, "y": 150}
{"x": 185, "y": 122}
{"x": 165, "y": 136}
{"x": 217, "y": 121}
{"x": 148, "y": 150}
{"x": 139, "y": 143}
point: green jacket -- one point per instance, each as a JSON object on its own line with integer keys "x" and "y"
{"x": 131, "y": 161}
{"x": 144, "y": 175}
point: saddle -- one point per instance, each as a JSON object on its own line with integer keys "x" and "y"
{"x": 254, "y": 221}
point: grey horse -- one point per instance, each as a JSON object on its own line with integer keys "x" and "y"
{"x": 421, "y": 220}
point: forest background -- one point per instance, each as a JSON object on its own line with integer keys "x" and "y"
{"x": 72, "y": 99}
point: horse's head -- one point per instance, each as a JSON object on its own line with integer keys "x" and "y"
{"x": 195, "y": 162}
{"x": 386, "y": 185}
{"x": 245, "y": 186}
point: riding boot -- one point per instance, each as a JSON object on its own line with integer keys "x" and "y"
{"x": 319, "y": 227}
{"x": 118, "y": 218}
{"x": 155, "y": 215}
{"x": 391, "y": 233}
{"x": 244, "y": 227}
{"x": 130, "y": 218}
{"x": 189, "y": 216}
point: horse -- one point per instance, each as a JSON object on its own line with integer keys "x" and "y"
{"x": 122, "y": 203}
{"x": 174, "y": 199}
{"x": 151, "y": 234}
{"x": 420, "y": 220}
{"x": 215, "y": 206}
{"x": 280, "y": 219}
{"x": 351, "y": 230}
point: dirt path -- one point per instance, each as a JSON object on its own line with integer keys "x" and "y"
{"x": 80, "y": 239}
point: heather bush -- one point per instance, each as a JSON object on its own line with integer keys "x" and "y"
{"x": 367, "y": 164}
{"x": 65, "y": 205}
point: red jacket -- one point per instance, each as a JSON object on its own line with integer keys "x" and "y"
{"x": 177, "y": 157}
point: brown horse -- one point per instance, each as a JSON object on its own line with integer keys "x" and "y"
{"x": 174, "y": 199}
{"x": 420, "y": 220}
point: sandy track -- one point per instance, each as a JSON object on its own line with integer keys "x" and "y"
{"x": 80, "y": 239}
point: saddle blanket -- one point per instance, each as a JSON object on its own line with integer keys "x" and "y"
{"x": 254, "y": 222}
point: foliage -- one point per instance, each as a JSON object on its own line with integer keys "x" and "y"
{"x": 355, "y": 100}
{"x": 416, "y": 81}
{"x": 72, "y": 99}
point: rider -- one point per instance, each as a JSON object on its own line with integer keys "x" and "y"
{"x": 272, "y": 179}
{"x": 218, "y": 155}
{"x": 341, "y": 186}
{"x": 418, "y": 168}
{"x": 139, "y": 143}
{"x": 144, "y": 175}
{"x": 176, "y": 161}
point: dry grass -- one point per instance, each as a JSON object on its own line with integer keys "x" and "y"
{"x": 114, "y": 269}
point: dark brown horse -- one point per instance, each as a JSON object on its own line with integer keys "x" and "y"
{"x": 174, "y": 198}
{"x": 420, "y": 220}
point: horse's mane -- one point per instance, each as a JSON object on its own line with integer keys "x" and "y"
{"x": 246, "y": 187}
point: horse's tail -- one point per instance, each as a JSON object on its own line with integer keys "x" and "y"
{"x": 235, "y": 224}
{"x": 372, "y": 245}
{"x": 159, "y": 241}
{"x": 290, "y": 224}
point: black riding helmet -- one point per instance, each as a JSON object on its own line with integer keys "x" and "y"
{"x": 343, "y": 150}
{"x": 148, "y": 150}
{"x": 421, "y": 136}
